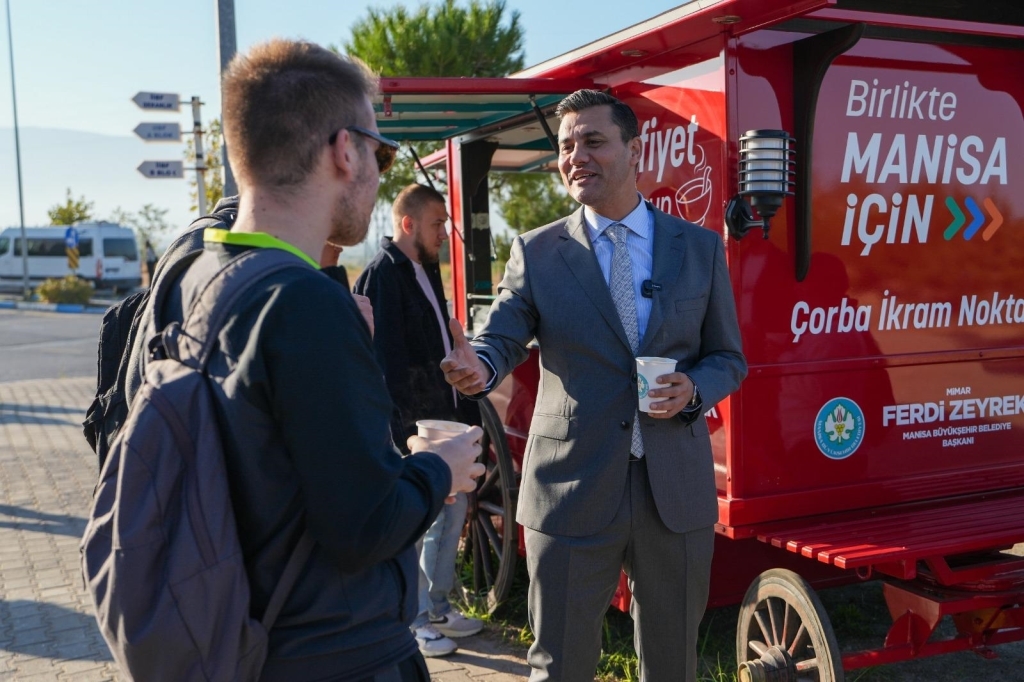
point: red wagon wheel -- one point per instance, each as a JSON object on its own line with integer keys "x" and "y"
{"x": 783, "y": 633}
{"x": 488, "y": 551}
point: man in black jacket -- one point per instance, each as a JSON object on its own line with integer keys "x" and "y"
{"x": 303, "y": 408}
{"x": 403, "y": 283}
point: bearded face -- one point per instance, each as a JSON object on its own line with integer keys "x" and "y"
{"x": 429, "y": 232}
{"x": 351, "y": 219}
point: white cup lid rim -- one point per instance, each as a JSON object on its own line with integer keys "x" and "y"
{"x": 443, "y": 425}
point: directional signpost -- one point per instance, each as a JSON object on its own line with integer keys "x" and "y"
{"x": 160, "y": 101}
{"x": 159, "y": 132}
{"x": 71, "y": 248}
{"x": 162, "y": 169}
{"x": 171, "y": 132}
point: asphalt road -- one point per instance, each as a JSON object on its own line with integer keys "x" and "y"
{"x": 37, "y": 345}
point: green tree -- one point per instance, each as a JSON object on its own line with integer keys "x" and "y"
{"x": 71, "y": 211}
{"x": 443, "y": 39}
{"x": 214, "y": 175}
{"x": 440, "y": 40}
{"x": 526, "y": 201}
{"x": 150, "y": 223}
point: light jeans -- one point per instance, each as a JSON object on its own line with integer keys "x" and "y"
{"x": 437, "y": 549}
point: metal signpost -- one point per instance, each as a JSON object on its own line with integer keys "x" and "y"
{"x": 26, "y": 292}
{"x": 227, "y": 46}
{"x": 171, "y": 132}
{"x": 197, "y": 130}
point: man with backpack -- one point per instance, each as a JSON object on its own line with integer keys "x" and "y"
{"x": 300, "y": 405}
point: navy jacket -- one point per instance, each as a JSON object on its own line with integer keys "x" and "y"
{"x": 304, "y": 414}
{"x": 408, "y": 344}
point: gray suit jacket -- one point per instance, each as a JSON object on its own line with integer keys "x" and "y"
{"x": 575, "y": 465}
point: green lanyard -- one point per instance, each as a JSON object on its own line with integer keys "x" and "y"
{"x": 260, "y": 240}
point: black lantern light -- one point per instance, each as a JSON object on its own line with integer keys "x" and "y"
{"x": 766, "y": 178}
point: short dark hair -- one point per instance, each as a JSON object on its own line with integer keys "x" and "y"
{"x": 622, "y": 114}
{"x": 411, "y": 200}
{"x": 282, "y": 101}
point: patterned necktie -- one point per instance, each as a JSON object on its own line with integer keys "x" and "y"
{"x": 621, "y": 286}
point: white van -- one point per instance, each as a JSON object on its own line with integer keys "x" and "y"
{"x": 108, "y": 255}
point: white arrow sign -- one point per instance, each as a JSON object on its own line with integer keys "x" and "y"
{"x": 162, "y": 169}
{"x": 163, "y": 101}
{"x": 159, "y": 132}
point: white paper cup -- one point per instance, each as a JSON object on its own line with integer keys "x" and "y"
{"x": 435, "y": 429}
{"x": 647, "y": 372}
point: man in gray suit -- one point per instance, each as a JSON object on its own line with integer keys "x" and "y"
{"x": 607, "y": 488}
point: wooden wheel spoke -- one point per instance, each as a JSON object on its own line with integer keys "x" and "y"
{"x": 490, "y": 480}
{"x": 759, "y": 648}
{"x": 478, "y": 574}
{"x": 492, "y": 535}
{"x": 799, "y": 641}
{"x": 776, "y": 621}
{"x": 766, "y": 632}
{"x": 483, "y": 559}
{"x": 788, "y": 623}
{"x": 807, "y": 666}
{"x": 490, "y": 508}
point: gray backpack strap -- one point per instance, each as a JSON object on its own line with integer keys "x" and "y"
{"x": 195, "y": 341}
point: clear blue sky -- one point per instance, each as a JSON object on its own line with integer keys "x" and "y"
{"x": 77, "y": 65}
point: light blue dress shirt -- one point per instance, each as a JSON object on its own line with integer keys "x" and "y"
{"x": 639, "y": 242}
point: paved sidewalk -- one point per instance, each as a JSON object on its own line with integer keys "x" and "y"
{"x": 47, "y": 474}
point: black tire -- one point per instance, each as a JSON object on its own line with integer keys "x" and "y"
{"x": 489, "y": 548}
{"x": 782, "y": 623}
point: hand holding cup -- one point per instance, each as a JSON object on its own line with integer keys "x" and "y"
{"x": 457, "y": 444}
{"x": 662, "y": 391}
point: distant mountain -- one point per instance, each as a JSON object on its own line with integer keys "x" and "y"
{"x": 102, "y": 168}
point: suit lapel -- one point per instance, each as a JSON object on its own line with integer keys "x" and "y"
{"x": 667, "y": 263}
{"x": 578, "y": 252}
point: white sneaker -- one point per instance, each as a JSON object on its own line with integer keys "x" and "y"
{"x": 432, "y": 643}
{"x": 454, "y": 624}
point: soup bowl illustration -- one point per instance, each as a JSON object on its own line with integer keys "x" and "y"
{"x": 693, "y": 198}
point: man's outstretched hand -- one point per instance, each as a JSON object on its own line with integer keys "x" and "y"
{"x": 462, "y": 368}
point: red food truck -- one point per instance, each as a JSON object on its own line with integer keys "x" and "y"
{"x": 863, "y": 161}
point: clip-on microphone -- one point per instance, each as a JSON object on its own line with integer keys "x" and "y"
{"x": 647, "y": 288}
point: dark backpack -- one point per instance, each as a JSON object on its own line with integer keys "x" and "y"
{"x": 118, "y": 354}
{"x": 161, "y": 554}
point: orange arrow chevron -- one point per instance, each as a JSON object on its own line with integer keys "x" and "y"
{"x": 997, "y": 220}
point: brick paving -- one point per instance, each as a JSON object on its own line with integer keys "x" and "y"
{"x": 47, "y": 474}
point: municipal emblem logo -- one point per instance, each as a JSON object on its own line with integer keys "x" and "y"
{"x": 641, "y": 385}
{"x": 839, "y": 428}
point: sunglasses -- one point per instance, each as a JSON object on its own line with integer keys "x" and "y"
{"x": 387, "y": 149}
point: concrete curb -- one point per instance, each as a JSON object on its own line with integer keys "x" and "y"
{"x": 51, "y": 307}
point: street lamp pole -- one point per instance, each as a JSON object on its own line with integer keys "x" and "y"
{"x": 26, "y": 292}
{"x": 227, "y": 45}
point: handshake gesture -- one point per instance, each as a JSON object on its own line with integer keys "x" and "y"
{"x": 462, "y": 368}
